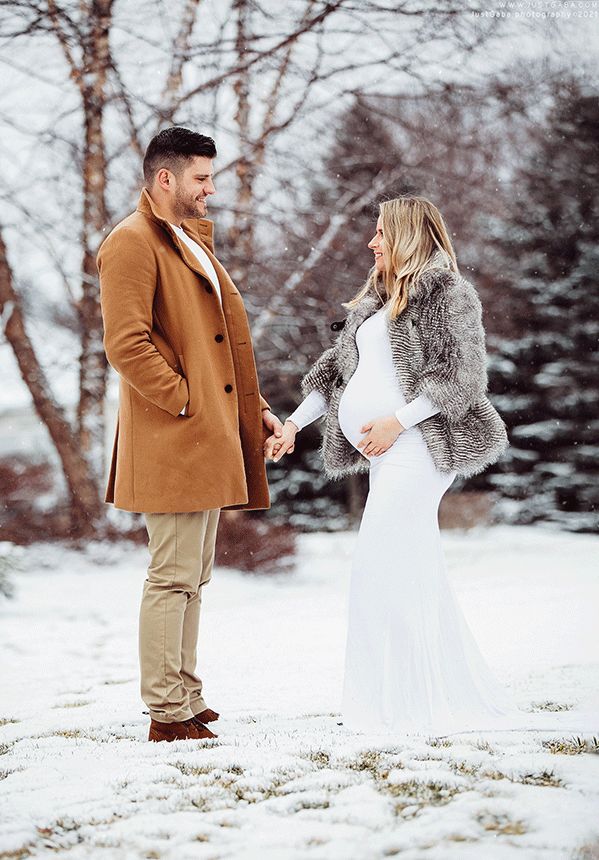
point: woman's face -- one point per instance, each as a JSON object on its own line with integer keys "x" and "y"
{"x": 377, "y": 245}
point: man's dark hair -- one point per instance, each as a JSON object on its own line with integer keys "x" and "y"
{"x": 172, "y": 148}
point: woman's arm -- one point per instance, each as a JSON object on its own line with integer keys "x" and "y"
{"x": 312, "y": 407}
{"x": 317, "y": 386}
{"x": 415, "y": 411}
{"x": 455, "y": 371}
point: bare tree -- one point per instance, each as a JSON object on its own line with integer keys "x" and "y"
{"x": 188, "y": 63}
{"x": 82, "y": 485}
{"x": 88, "y": 69}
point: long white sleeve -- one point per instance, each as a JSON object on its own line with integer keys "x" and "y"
{"x": 416, "y": 410}
{"x": 312, "y": 407}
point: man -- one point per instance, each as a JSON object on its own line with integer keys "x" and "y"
{"x": 192, "y": 421}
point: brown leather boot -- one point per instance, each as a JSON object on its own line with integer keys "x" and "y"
{"x": 207, "y": 716}
{"x": 178, "y": 731}
{"x": 203, "y": 730}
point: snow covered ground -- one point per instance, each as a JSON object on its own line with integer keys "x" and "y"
{"x": 284, "y": 780}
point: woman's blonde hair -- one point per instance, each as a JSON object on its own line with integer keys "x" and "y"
{"x": 413, "y": 230}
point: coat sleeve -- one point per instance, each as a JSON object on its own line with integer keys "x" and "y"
{"x": 321, "y": 376}
{"x": 128, "y": 276}
{"x": 454, "y": 376}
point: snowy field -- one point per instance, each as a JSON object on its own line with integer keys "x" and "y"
{"x": 284, "y": 780}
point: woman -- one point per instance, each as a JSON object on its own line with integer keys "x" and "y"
{"x": 403, "y": 391}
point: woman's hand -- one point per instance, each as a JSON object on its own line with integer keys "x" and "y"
{"x": 382, "y": 433}
{"x": 276, "y": 446}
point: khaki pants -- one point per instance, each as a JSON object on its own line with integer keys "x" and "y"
{"x": 182, "y": 554}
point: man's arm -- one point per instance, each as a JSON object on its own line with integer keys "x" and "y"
{"x": 128, "y": 275}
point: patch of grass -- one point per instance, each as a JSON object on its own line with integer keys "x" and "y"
{"x": 465, "y": 768}
{"x": 73, "y": 704}
{"x": 440, "y": 742}
{"x": 305, "y": 803}
{"x": 67, "y": 823}
{"x": 193, "y": 769}
{"x": 545, "y": 777}
{"x": 65, "y": 733}
{"x": 88, "y": 735}
{"x": 550, "y": 706}
{"x": 414, "y": 794}
{"x": 370, "y": 760}
{"x": 5, "y": 773}
{"x": 501, "y": 823}
{"x": 17, "y": 853}
{"x": 485, "y": 746}
{"x": 4, "y": 721}
{"x": 493, "y": 774}
{"x": 4, "y": 748}
{"x": 574, "y": 746}
{"x": 320, "y": 758}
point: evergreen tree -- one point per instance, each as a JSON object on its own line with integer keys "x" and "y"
{"x": 548, "y": 376}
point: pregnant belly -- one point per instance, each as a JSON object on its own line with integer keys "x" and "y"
{"x": 367, "y": 397}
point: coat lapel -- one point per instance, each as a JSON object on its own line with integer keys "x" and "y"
{"x": 199, "y": 229}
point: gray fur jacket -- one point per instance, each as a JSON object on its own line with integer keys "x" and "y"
{"x": 438, "y": 348}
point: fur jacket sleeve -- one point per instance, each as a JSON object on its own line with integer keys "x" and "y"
{"x": 454, "y": 373}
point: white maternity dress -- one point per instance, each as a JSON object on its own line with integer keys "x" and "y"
{"x": 412, "y": 664}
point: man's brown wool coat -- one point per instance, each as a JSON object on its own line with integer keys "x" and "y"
{"x": 170, "y": 340}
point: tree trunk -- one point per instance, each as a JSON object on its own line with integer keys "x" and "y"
{"x": 86, "y": 507}
{"x": 241, "y": 238}
{"x": 93, "y": 367}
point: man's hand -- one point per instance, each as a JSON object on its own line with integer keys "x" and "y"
{"x": 275, "y": 447}
{"x": 272, "y": 423}
{"x": 382, "y": 433}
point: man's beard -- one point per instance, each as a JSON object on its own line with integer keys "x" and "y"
{"x": 185, "y": 205}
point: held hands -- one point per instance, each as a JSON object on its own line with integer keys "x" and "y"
{"x": 382, "y": 433}
{"x": 275, "y": 446}
{"x": 271, "y": 422}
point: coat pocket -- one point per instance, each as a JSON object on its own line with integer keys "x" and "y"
{"x": 190, "y": 405}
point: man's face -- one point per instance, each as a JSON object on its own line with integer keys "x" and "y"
{"x": 192, "y": 188}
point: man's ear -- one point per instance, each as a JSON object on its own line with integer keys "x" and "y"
{"x": 164, "y": 178}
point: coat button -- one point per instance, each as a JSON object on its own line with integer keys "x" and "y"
{"x": 218, "y": 338}
{"x": 338, "y": 325}
{"x": 228, "y": 388}
{"x": 208, "y": 288}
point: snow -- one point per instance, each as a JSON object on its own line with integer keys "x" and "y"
{"x": 284, "y": 779}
